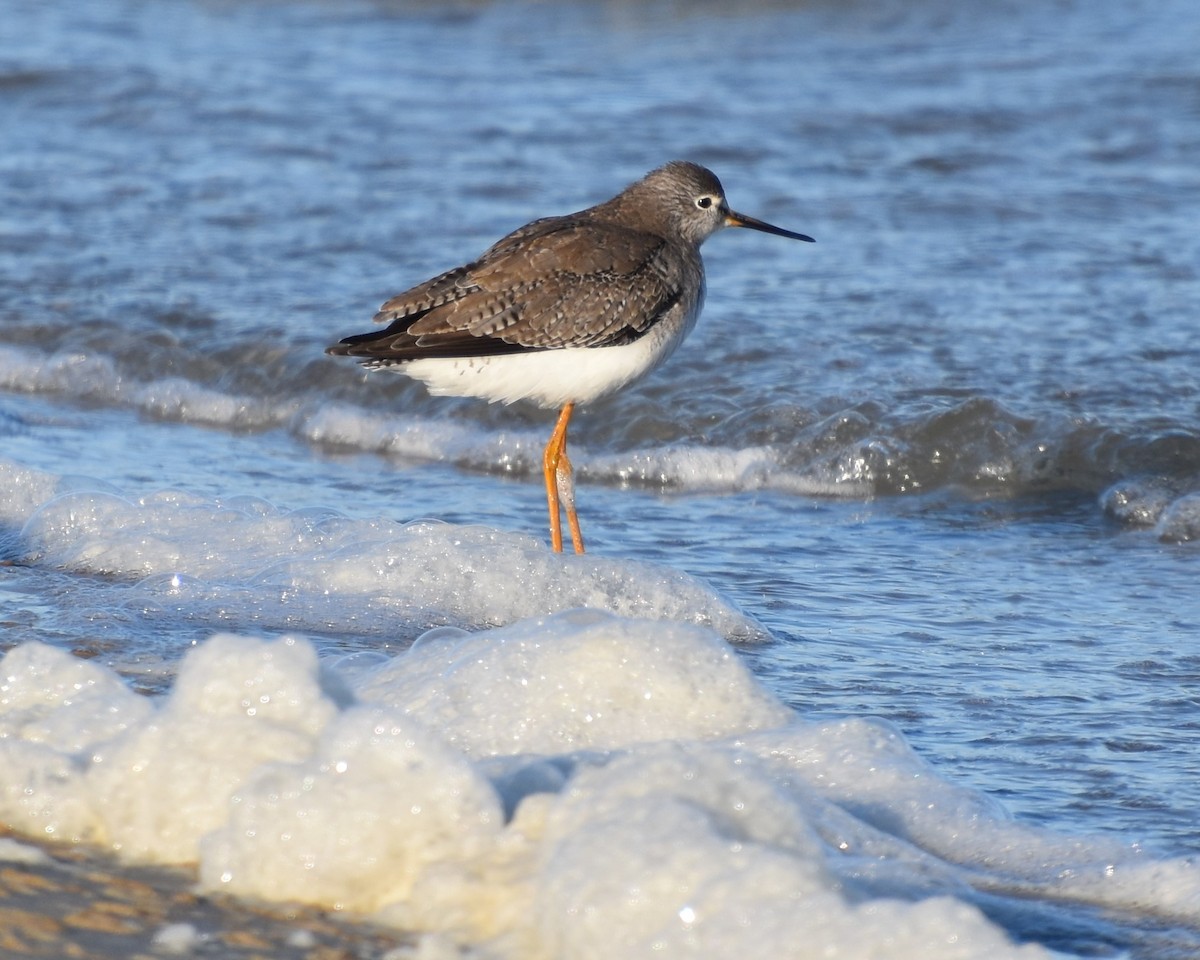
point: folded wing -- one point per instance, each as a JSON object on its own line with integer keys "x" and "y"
{"x": 555, "y": 283}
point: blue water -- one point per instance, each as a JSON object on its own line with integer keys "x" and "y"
{"x": 948, "y": 456}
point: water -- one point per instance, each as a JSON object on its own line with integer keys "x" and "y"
{"x": 940, "y": 468}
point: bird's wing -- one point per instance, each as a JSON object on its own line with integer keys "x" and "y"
{"x": 559, "y": 282}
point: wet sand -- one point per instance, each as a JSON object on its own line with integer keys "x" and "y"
{"x": 65, "y": 901}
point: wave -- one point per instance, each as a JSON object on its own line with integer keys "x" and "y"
{"x": 1143, "y": 474}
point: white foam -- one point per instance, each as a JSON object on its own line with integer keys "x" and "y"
{"x": 95, "y": 379}
{"x": 384, "y": 814}
{"x": 23, "y": 490}
{"x": 689, "y": 467}
{"x": 1180, "y": 522}
{"x": 177, "y": 399}
{"x": 413, "y": 437}
{"x": 65, "y": 374}
{"x": 575, "y": 787}
{"x": 243, "y": 560}
{"x": 865, "y": 767}
{"x": 680, "y": 851}
{"x": 580, "y": 680}
{"x": 53, "y": 709}
{"x": 48, "y": 696}
{"x": 93, "y": 761}
{"x": 686, "y": 467}
{"x": 1157, "y": 502}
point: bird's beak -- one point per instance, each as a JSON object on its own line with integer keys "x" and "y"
{"x": 741, "y": 220}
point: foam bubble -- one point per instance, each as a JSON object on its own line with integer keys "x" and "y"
{"x": 580, "y": 680}
{"x": 1138, "y": 501}
{"x": 373, "y": 818}
{"x": 48, "y": 696}
{"x": 681, "y": 851}
{"x": 24, "y": 490}
{"x": 1180, "y": 522}
{"x": 575, "y": 787}
{"x": 1158, "y": 502}
{"x": 238, "y": 704}
{"x": 242, "y": 560}
{"x": 114, "y": 770}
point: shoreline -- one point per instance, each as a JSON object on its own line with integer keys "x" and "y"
{"x": 79, "y": 902}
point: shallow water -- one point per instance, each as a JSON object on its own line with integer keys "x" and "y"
{"x": 945, "y": 461}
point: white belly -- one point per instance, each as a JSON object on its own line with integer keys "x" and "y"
{"x": 551, "y": 378}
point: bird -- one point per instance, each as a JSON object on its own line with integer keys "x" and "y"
{"x": 564, "y": 310}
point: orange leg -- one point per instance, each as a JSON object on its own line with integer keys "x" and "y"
{"x": 566, "y": 493}
{"x": 560, "y": 484}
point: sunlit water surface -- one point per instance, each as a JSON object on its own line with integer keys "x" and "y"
{"x": 946, "y": 460}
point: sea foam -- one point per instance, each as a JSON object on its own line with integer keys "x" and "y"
{"x": 242, "y": 561}
{"x": 576, "y": 786}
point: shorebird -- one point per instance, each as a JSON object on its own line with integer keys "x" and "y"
{"x": 564, "y": 310}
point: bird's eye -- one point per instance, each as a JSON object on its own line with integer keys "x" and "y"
{"x": 704, "y": 202}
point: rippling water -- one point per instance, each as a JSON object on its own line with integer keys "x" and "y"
{"x": 947, "y": 458}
